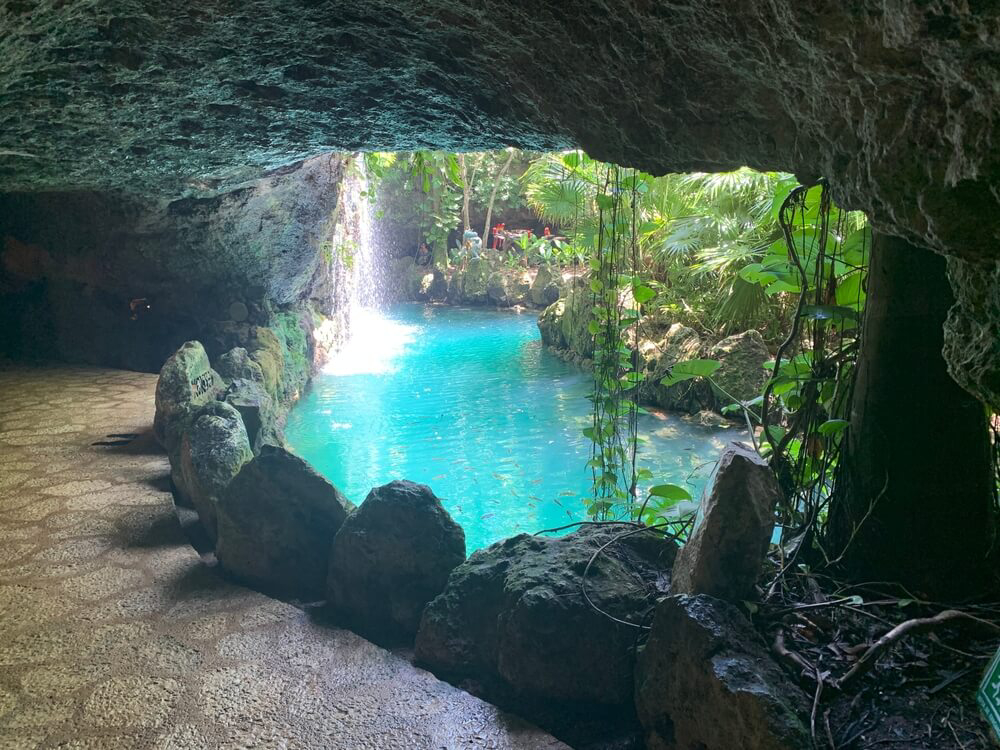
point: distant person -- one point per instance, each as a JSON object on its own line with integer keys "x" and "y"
{"x": 423, "y": 254}
{"x": 497, "y": 236}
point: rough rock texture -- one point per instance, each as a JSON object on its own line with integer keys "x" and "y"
{"x": 723, "y": 556}
{"x": 124, "y": 280}
{"x": 186, "y": 383}
{"x": 542, "y": 279}
{"x": 563, "y": 325}
{"x": 741, "y": 374}
{"x": 705, "y": 680}
{"x": 972, "y": 331}
{"x": 678, "y": 343}
{"x": 515, "y": 611}
{"x": 237, "y": 365}
{"x": 277, "y": 521}
{"x": 469, "y": 287}
{"x": 392, "y": 556}
{"x": 255, "y": 407}
{"x": 135, "y": 96}
{"x": 497, "y": 289}
{"x": 213, "y": 450}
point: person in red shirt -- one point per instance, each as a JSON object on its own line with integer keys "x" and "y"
{"x": 497, "y": 231}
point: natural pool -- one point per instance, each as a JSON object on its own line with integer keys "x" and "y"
{"x": 470, "y": 403}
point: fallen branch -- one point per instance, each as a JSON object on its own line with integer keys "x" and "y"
{"x": 916, "y": 625}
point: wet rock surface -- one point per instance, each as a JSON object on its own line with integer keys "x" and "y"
{"x": 213, "y": 450}
{"x": 516, "y": 611}
{"x": 726, "y": 549}
{"x": 116, "y": 635}
{"x": 276, "y": 524}
{"x": 391, "y": 557}
{"x": 706, "y": 680}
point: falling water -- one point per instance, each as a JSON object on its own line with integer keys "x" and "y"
{"x": 354, "y": 236}
{"x": 374, "y": 341}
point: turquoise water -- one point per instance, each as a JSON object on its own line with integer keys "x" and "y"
{"x": 470, "y": 403}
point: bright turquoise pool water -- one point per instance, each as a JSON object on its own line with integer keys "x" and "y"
{"x": 470, "y": 403}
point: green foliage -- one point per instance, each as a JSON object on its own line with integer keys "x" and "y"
{"x": 822, "y": 259}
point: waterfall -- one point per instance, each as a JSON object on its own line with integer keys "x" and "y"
{"x": 353, "y": 237}
{"x": 373, "y": 341}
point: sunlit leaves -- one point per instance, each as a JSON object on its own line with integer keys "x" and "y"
{"x": 692, "y": 368}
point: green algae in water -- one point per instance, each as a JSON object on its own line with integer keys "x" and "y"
{"x": 471, "y": 404}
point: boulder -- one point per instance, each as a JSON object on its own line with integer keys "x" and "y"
{"x": 186, "y": 383}
{"x": 551, "y": 292}
{"x": 731, "y": 534}
{"x": 213, "y": 450}
{"x": 475, "y": 282}
{"x": 498, "y": 289}
{"x": 391, "y": 557}
{"x": 427, "y": 284}
{"x": 706, "y": 680}
{"x": 237, "y": 365}
{"x": 564, "y": 323}
{"x": 678, "y": 344}
{"x": 255, "y": 406}
{"x": 741, "y": 374}
{"x": 542, "y": 279}
{"x": 550, "y": 325}
{"x": 276, "y": 524}
{"x": 515, "y": 611}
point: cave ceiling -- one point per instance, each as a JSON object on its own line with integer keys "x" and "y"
{"x": 894, "y": 102}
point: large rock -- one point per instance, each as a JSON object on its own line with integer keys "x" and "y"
{"x": 392, "y": 556}
{"x": 741, "y": 375}
{"x": 427, "y": 284}
{"x": 731, "y": 534}
{"x": 186, "y": 383}
{"x": 213, "y": 450}
{"x": 705, "y": 681}
{"x": 237, "y": 365}
{"x": 497, "y": 288}
{"x": 276, "y": 524}
{"x": 469, "y": 287}
{"x": 542, "y": 279}
{"x": 564, "y": 324}
{"x": 255, "y": 406}
{"x": 516, "y": 611}
{"x": 678, "y": 344}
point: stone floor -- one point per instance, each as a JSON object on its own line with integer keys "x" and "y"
{"x": 114, "y": 633}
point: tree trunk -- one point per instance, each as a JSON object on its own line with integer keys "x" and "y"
{"x": 493, "y": 197}
{"x": 466, "y": 193}
{"x": 913, "y": 502}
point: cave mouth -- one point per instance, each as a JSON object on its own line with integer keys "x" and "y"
{"x": 272, "y": 278}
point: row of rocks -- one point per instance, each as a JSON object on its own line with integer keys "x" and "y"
{"x": 274, "y": 520}
{"x": 482, "y": 281}
{"x": 661, "y": 344}
{"x": 515, "y": 614}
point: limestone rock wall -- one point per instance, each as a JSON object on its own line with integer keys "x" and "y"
{"x": 108, "y": 278}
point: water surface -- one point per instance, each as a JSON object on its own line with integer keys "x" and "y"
{"x": 470, "y": 403}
